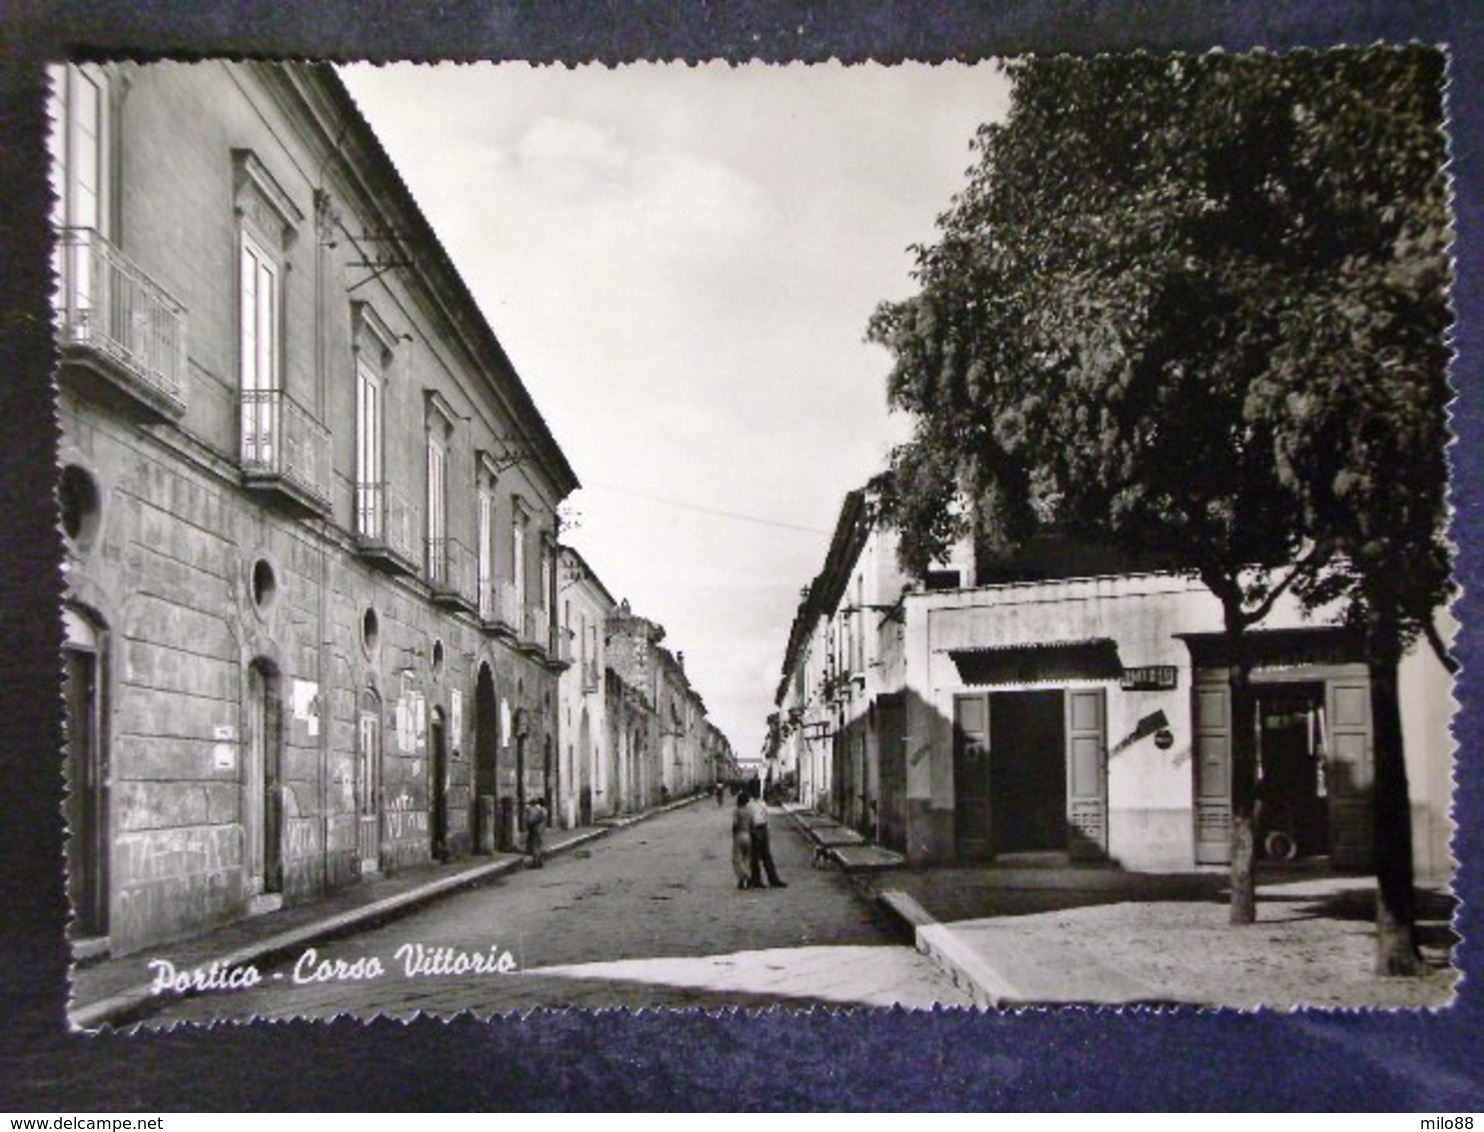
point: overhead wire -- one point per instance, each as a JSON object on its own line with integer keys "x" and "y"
{"x": 720, "y": 512}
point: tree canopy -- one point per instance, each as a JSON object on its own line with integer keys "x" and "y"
{"x": 1197, "y": 303}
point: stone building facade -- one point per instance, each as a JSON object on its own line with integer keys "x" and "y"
{"x": 662, "y": 745}
{"x": 588, "y": 775}
{"x": 309, "y": 510}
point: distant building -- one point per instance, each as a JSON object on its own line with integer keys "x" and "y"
{"x": 657, "y": 725}
{"x": 840, "y": 700}
{"x": 1066, "y": 703}
{"x": 310, "y": 510}
{"x": 588, "y": 775}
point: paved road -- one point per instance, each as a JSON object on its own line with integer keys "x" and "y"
{"x": 649, "y": 916}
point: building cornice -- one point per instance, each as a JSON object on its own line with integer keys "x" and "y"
{"x": 362, "y": 162}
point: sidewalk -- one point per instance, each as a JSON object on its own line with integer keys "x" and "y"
{"x": 114, "y": 990}
{"x": 838, "y": 844}
{"x": 1050, "y": 932}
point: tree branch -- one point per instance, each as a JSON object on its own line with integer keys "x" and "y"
{"x": 1315, "y": 557}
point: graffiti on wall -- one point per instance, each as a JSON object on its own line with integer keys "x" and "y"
{"x": 402, "y": 820}
{"x": 163, "y": 854}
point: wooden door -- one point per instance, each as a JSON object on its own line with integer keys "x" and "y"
{"x": 263, "y": 816}
{"x": 1087, "y": 773}
{"x": 972, "y": 826}
{"x": 1349, "y": 777}
{"x": 87, "y": 783}
{"x": 1211, "y": 710}
{"x": 368, "y": 786}
{"x": 893, "y": 735}
{"x": 439, "y": 785}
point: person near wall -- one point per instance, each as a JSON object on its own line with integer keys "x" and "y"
{"x": 762, "y": 851}
{"x": 742, "y": 841}
{"x": 535, "y": 826}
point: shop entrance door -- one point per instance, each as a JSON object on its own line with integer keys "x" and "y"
{"x": 1030, "y": 773}
{"x": 1027, "y": 771}
{"x": 1294, "y": 819}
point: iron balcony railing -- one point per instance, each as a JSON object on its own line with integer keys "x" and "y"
{"x": 590, "y": 676}
{"x": 537, "y": 625}
{"x": 559, "y": 651}
{"x": 451, "y": 571}
{"x": 507, "y": 608}
{"x": 282, "y": 442}
{"x": 385, "y": 521}
{"x": 110, "y": 307}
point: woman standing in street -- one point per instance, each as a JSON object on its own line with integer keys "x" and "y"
{"x": 742, "y": 841}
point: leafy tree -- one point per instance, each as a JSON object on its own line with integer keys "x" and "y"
{"x": 1360, "y": 441}
{"x": 1132, "y": 301}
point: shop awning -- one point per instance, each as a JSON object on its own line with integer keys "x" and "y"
{"x": 1038, "y": 663}
{"x": 1320, "y": 644}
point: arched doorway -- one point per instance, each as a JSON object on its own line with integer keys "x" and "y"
{"x": 87, "y": 777}
{"x": 486, "y": 754}
{"x": 438, "y": 784}
{"x": 368, "y": 782}
{"x": 261, "y": 786}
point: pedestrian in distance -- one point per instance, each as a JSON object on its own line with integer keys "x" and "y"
{"x": 762, "y": 850}
{"x": 535, "y": 826}
{"x": 742, "y": 842}
{"x": 721, "y": 794}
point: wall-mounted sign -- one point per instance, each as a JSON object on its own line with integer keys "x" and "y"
{"x": 1164, "y": 738}
{"x": 1150, "y": 678}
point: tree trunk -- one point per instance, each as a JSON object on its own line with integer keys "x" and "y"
{"x": 1243, "y": 783}
{"x": 1396, "y": 942}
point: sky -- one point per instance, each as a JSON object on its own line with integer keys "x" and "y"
{"x": 681, "y": 261}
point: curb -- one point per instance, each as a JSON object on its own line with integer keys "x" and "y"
{"x": 986, "y": 986}
{"x": 969, "y": 970}
{"x": 120, "y": 1005}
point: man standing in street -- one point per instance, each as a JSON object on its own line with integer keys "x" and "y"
{"x": 762, "y": 852}
{"x": 535, "y": 823}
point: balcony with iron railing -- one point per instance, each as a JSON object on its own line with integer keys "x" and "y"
{"x": 590, "y": 675}
{"x": 535, "y": 635}
{"x": 559, "y": 648}
{"x": 385, "y": 528}
{"x": 285, "y": 451}
{"x": 451, "y": 574}
{"x": 503, "y": 613}
{"x": 487, "y": 600}
{"x": 122, "y": 336}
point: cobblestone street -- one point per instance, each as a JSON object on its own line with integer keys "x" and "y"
{"x": 649, "y": 916}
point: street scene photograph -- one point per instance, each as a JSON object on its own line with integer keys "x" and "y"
{"x": 673, "y": 536}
